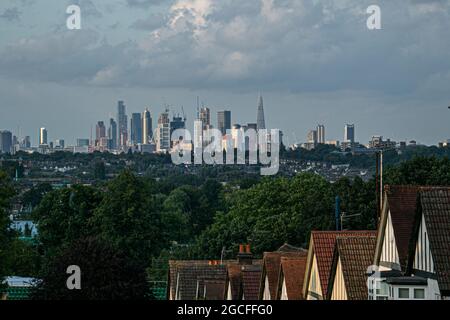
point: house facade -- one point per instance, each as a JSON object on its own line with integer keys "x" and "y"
{"x": 412, "y": 256}
{"x": 271, "y": 269}
{"x": 352, "y": 256}
{"x": 291, "y": 277}
{"x": 319, "y": 262}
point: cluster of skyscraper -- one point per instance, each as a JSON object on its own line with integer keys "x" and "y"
{"x": 142, "y": 137}
{"x": 224, "y": 124}
{"x": 138, "y": 135}
{"x": 317, "y": 136}
{"x": 118, "y": 137}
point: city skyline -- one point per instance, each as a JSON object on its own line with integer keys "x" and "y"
{"x": 135, "y": 136}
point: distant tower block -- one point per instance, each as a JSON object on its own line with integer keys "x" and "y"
{"x": 261, "y": 123}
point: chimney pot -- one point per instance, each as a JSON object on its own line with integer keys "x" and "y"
{"x": 241, "y": 248}
{"x": 247, "y": 249}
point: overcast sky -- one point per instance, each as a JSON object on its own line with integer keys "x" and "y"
{"x": 314, "y": 62}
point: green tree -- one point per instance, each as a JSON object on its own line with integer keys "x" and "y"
{"x": 129, "y": 217}
{"x": 99, "y": 170}
{"x": 420, "y": 171}
{"x": 64, "y": 215}
{"x": 34, "y": 196}
{"x": 106, "y": 274}
{"x": 275, "y": 211}
{"x": 6, "y": 234}
{"x": 23, "y": 258}
{"x": 358, "y": 198}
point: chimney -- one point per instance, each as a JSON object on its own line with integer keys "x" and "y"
{"x": 245, "y": 257}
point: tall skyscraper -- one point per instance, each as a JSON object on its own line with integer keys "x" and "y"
{"x": 321, "y": 133}
{"x": 261, "y": 122}
{"x": 177, "y": 123}
{"x": 163, "y": 132}
{"x": 205, "y": 117}
{"x": 147, "y": 128}
{"x": 6, "y": 141}
{"x": 26, "y": 142}
{"x": 312, "y": 136}
{"x": 122, "y": 123}
{"x": 112, "y": 133}
{"x": 136, "y": 128}
{"x": 224, "y": 121}
{"x": 43, "y": 136}
{"x": 349, "y": 133}
{"x": 100, "y": 131}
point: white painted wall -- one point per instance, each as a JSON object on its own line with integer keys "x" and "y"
{"x": 339, "y": 291}
{"x": 389, "y": 252}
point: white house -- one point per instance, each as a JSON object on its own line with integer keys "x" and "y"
{"x": 412, "y": 256}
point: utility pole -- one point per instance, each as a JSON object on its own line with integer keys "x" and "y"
{"x": 381, "y": 179}
{"x": 377, "y": 187}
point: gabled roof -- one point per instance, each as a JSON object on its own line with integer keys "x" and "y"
{"x": 322, "y": 246}
{"x": 355, "y": 255}
{"x": 244, "y": 280}
{"x": 251, "y": 278}
{"x": 233, "y": 281}
{"x": 187, "y": 277}
{"x": 401, "y": 202}
{"x": 435, "y": 207}
{"x": 292, "y": 272}
{"x": 211, "y": 289}
{"x": 271, "y": 266}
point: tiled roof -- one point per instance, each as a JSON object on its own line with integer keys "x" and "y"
{"x": 212, "y": 289}
{"x": 188, "y": 276}
{"x": 244, "y": 280}
{"x": 289, "y": 248}
{"x": 323, "y": 245}
{"x": 234, "y": 280}
{"x": 402, "y": 202}
{"x": 173, "y": 271}
{"x": 251, "y": 279}
{"x": 271, "y": 265}
{"x": 293, "y": 274}
{"x": 435, "y": 204}
{"x": 356, "y": 255}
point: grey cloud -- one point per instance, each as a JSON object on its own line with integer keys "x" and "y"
{"x": 284, "y": 45}
{"x": 151, "y": 23}
{"x": 87, "y": 7}
{"x": 11, "y": 14}
{"x": 144, "y": 3}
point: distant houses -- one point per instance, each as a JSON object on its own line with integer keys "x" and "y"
{"x": 407, "y": 258}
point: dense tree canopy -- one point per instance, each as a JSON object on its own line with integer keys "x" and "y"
{"x": 6, "y": 235}
{"x": 106, "y": 274}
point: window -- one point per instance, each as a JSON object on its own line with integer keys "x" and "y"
{"x": 403, "y": 293}
{"x": 382, "y": 288}
{"x": 419, "y": 293}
